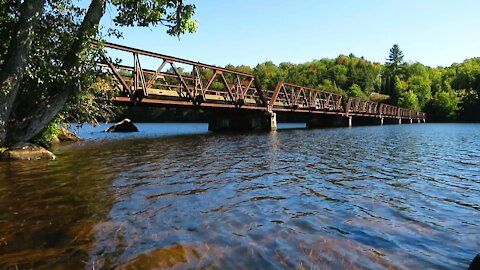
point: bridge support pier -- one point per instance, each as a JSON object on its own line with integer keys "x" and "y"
{"x": 392, "y": 121}
{"x": 328, "y": 120}
{"x": 367, "y": 121}
{"x": 242, "y": 120}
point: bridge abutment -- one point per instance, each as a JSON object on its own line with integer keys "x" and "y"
{"x": 242, "y": 120}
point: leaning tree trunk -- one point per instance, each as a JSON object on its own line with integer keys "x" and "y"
{"x": 27, "y": 128}
{"x": 13, "y": 68}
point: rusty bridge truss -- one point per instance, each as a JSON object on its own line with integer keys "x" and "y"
{"x": 200, "y": 85}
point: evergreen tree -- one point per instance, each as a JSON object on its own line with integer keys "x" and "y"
{"x": 394, "y": 60}
{"x": 395, "y": 57}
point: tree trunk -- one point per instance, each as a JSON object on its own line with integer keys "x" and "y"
{"x": 13, "y": 68}
{"x": 27, "y": 128}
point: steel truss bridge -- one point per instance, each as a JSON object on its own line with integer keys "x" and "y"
{"x": 206, "y": 86}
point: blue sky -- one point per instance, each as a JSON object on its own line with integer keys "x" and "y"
{"x": 435, "y": 33}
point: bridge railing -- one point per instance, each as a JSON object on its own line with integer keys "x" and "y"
{"x": 204, "y": 83}
{"x": 359, "y": 106}
{"x": 295, "y": 97}
{"x": 356, "y": 106}
{"x": 388, "y": 110}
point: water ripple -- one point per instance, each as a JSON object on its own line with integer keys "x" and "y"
{"x": 396, "y": 197}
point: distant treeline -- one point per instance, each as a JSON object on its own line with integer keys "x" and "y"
{"x": 444, "y": 93}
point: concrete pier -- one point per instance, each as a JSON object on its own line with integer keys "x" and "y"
{"x": 392, "y": 121}
{"x": 330, "y": 120}
{"x": 242, "y": 120}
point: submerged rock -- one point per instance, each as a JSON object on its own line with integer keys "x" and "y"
{"x": 177, "y": 256}
{"x": 126, "y": 125}
{"x": 26, "y": 151}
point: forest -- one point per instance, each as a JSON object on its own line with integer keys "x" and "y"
{"x": 444, "y": 93}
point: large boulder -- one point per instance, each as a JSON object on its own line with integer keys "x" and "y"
{"x": 126, "y": 125}
{"x": 26, "y": 151}
{"x": 66, "y": 135}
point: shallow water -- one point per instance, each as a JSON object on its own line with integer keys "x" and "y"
{"x": 398, "y": 197}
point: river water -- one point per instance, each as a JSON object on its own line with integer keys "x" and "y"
{"x": 176, "y": 196}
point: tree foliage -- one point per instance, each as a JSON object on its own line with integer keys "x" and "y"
{"x": 356, "y": 91}
{"x": 48, "y": 62}
{"x": 333, "y": 75}
{"x": 409, "y": 99}
{"x": 444, "y": 105}
{"x": 445, "y": 93}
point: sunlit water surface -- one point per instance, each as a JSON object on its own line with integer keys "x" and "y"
{"x": 397, "y": 197}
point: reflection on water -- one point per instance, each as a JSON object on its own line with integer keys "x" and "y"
{"x": 396, "y": 197}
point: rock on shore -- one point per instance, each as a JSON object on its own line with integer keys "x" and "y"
{"x": 26, "y": 151}
{"x": 66, "y": 135}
